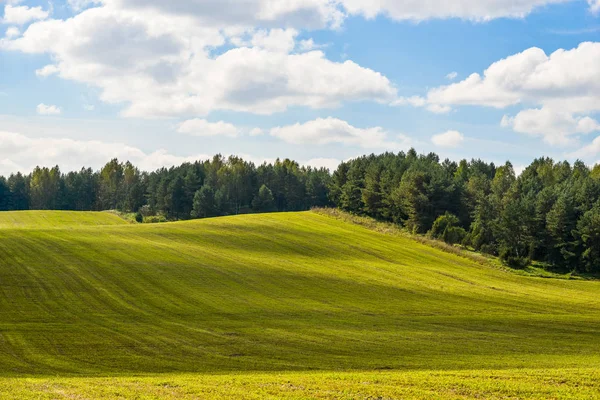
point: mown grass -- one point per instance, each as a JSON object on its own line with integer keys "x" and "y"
{"x": 57, "y": 219}
{"x": 239, "y": 302}
{"x": 469, "y": 384}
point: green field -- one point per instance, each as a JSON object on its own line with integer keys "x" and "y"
{"x": 297, "y": 305}
{"x": 57, "y": 219}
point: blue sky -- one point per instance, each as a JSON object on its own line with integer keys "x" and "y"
{"x": 318, "y": 81}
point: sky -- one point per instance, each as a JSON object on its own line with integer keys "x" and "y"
{"x": 160, "y": 82}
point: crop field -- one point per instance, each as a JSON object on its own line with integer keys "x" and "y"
{"x": 290, "y": 305}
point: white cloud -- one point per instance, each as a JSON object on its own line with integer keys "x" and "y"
{"x": 256, "y": 132}
{"x": 89, "y": 107}
{"x": 311, "y": 14}
{"x": 452, "y": 75}
{"x": 594, "y": 6}
{"x": 565, "y": 85}
{"x": 43, "y": 109}
{"x": 335, "y": 131}
{"x": 201, "y": 127}
{"x": 22, "y": 153}
{"x": 47, "y": 71}
{"x": 79, "y": 5}
{"x": 160, "y": 65}
{"x": 309, "y": 44}
{"x": 277, "y": 40}
{"x": 448, "y": 139}
{"x": 586, "y": 152}
{"x": 12, "y": 32}
{"x": 21, "y": 15}
{"x": 556, "y": 127}
{"x": 567, "y": 80}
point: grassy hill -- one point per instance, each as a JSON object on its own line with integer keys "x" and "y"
{"x": 57, "y": 219}
{"x": 86, "y": 294}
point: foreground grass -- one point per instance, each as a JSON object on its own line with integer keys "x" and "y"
{"x": 510, "y": 384}
{"x": 249, "y": 303}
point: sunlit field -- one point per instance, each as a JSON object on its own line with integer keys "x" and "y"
{"x": 290, "y": 305}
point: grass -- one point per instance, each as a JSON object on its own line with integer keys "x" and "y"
{"x": 469, "y": 384}
{"x": 57, "y": 219}
{"x": 94, "y": 307}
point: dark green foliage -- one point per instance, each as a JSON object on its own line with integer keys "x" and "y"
{"x": 204, "y": 203}
{"x": 263, "y": 201}
{"x": 588, "y": 228}
{"x": 445, "y": 228}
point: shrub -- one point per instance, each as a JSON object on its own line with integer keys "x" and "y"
{"x": 155, "y": 219}
{"x": 454, "y": 235}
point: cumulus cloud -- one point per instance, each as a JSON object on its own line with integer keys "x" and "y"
{"x": 256, "y": 132}
{"x": 568, "y": 80}
{"x": 277, "y": 40}
{"x": 79, "y": 5}
{"x": 311, "y": 14}
{"x": 564, "y": 86}
{"x": 309, "y": 44}
{"x": 452, "y": 76}
{"x": 588, "y": 151}
{"x": 450, "y": 139}
{"x": 44, "y": 109}
{"x": 47, "y": 71}
{"x": 12, "y": 32}
{"x": 160, "y": 65}
{"x": 157, "y": 59}
{"x": 556, "y": 127}
{"x": 335, "y": 131}
{"x": 201, "y": 127}
{"x": 21, "y": 15}
{"x": 22, "y": 153}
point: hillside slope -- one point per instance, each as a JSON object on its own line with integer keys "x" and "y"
{"x": 57, "y": 219}
{"x": 297, "y": 291}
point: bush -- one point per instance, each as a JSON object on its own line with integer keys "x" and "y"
{"x": 454, "y": 235}
{"x": 488, "y": 249}
{"x": 155, "y": 219}
{"x": 517, "y": 262}
{"x": 438, "y": 230}
{"x": 139, "y": 218}
{"x": 508, "y": 256}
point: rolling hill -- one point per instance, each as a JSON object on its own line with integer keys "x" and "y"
{"x": 88, "y": 295}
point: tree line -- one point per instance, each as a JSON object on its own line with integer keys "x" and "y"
{"x": 216, "y": 187}
{"x": 549, "y": 214}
